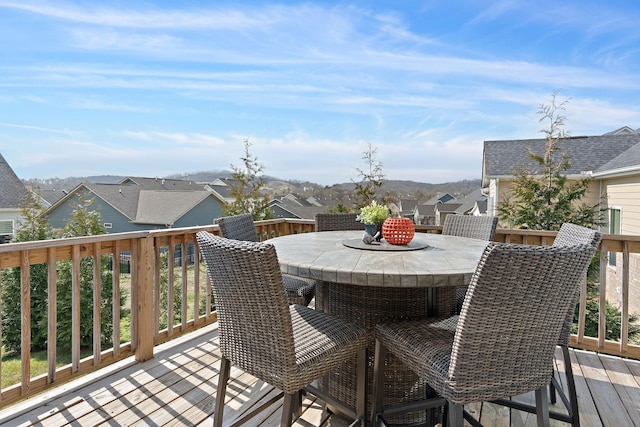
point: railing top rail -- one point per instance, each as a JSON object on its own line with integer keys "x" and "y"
{"x": 68, "y": 241}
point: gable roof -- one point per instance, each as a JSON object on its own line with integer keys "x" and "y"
{"x": 628, "y": 161}
{"x": 295, "y": 209}
{"x": 471, "y": 200}
{"x": 408, "y": 206}
{"x": 161, "y": 207}
{"x": 123, "y": 198}
{"x": 586, "y": 153}
{"x": 161, "y": 183}
{"x": 12, "y": 189}
{"x": 145, "y": 206}
{"x": 439, "y": 198}
{"x": 222, "y": 187}
{"x": 448, "y": 207}
{"x": 622, "y": 130}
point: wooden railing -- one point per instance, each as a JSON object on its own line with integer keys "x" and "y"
{"x": 169, "y": 295}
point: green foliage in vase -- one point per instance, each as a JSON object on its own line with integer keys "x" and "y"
{"x": 373, "y": 213}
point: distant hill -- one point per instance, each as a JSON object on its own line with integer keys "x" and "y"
{"x": 278, "y": 187}
{"x": 69, "y": 183}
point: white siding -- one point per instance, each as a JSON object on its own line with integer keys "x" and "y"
{"x": 624, "y": 193}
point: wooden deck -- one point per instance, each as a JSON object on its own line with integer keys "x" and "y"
{"x": 177, "y": 388}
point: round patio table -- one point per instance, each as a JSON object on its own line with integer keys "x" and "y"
{"x": 371, "y": 284}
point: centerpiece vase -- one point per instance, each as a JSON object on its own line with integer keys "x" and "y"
{"x": 398, "y": 231}
{"x": 372, "y": 229}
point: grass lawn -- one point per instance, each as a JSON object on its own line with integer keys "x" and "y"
{"x": 11, "y": 369}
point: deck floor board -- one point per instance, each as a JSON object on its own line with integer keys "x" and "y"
{"x": 177, "y": 388}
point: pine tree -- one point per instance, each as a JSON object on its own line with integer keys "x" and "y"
{"x": 247, "y": 193}
{"x": 85, "y": 221}
{"x": 544, "y": 198}
{"x": 33, "y": 226}
{"x": 371, "y": 178}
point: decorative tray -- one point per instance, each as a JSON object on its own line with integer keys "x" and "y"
{"x": 384, "y": 246}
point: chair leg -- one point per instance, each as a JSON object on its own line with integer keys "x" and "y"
{"x": 542, "y": 407}
{"x": 378, "y": 381}
{"x": 552, "y": 390}
{"x": 287, "y": 408}
{"x": 456, "y": 415}
{"x": 225, "y": 371}
{"x": 571, "y": 387}
{"x": 297, "y": 404}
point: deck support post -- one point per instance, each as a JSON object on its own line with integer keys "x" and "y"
{"x": 143, "y": 299}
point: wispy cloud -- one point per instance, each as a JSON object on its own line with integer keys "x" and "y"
{"x": 36, "y": 128}
{"x": 311, "y": 83}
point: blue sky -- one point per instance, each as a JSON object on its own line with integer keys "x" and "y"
{"x": 162, "y": 87}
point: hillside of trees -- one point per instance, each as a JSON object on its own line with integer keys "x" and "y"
{"x": 278, "y": 187}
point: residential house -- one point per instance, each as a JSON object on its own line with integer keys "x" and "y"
{"x": 409, "y": 208}
{"x": 12, "y": 194}
{"x": 474, "y": 203}
{"x": 221, "y": 187}
{"x": 441, "y": 210}
{"x": 142, "y": 204}
{"x": 612, "y": 160}
{"x": 426, "y": 212}
{"x": 296, "y": 206}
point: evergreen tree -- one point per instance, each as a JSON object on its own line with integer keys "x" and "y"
{"x": 544, "y": 198}
{"x": 247, "y": 193}
{"x": 85, "y": 221}
{"x": 371, "y": 178}
{"x": 33, "y": 226}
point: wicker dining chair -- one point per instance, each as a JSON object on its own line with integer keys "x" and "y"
{"x": 504, "y": 340}
{"x": 480, "y": 227}
{"x": 241, "y": 227}
{"x": 338, "y": 221}
{"x": 287, "y": 346}
{"x": 341, "y": 221}
{"x": 568, "y": 235}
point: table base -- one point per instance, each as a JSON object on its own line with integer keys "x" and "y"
{"x": 368, "y": 306}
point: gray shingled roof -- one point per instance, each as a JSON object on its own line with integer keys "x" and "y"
{"x": 162, "y": 207}
{"x": 629, "y": 159}
{"x": 470, "y": 200}
{"x": 124, "y": 198}
{"x": 162, "y": 183}
{"x": 12, "y": 189}
{"x": 589, "y": 153}
{"x": 303, "y": 212}
{"x": 448, "y": 207}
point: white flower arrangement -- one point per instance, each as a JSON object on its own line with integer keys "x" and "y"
{"x": 373, "y": 214}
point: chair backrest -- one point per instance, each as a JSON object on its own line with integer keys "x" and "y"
{"x": 256, "y": 331}
{"x": 572, "y": 234}
{"x": 512, "y": 315}
{"x": 475, "y": 227}
{"x": 238, "y": 227}
{"x": 338, "y": 222}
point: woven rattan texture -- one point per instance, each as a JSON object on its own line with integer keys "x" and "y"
{"x": 338, "y": 222}
{"x": 241, "y": 227}
{"x": 572, "y": 234}
{"x": 367, "y": 306}
{"x": 505, "y": 338}
{"x": 286, "y": 346}
{"x": 473, "y": 227}
{"x": 342, "y": 221}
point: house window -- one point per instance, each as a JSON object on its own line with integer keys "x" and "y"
{"x": 6, "y": 227}
{"x": 108, "y": 225}
{"x": 614, "y": 228}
